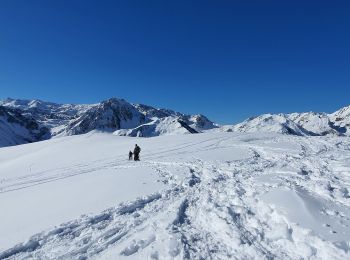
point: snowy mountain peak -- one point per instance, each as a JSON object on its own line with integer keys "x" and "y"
{"x": 109, "y": 115}
{"x": 302, "y": 124}
{"x": 341, "y": 114}
{"x": 25, "y": 103}
{"x": 316, "y": 123}
{"x": 123, "y": 118}
{"x": 279, "y": 123}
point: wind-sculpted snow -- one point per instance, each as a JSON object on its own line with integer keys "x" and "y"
{"x": 214, "y": 196}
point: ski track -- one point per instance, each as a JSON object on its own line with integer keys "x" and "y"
{"x": 214, "y": 212}
{"x": 42, "y": 177}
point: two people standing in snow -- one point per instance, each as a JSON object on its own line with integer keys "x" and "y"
{"x": 136, "y": 153}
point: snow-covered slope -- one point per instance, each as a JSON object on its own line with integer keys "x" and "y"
{"x": 200, "y": 122}
{"x": 16, "y": 129}
{"x": 279, "y": 123}
{"x": 197, "y": 122}
{"x": 315, "y": 123}
{"x": 341, "y": 118}
{"x": 163, "y": 126}
{"x": 203, "y": 196}
{"x": 303, "y": 124}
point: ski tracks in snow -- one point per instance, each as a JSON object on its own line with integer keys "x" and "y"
{"x": 181, "y": 216}
{"x": 56, "y": 174}
{"x": 210, "y": 210}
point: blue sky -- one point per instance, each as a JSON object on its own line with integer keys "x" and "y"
{"x": 226, "y": 59}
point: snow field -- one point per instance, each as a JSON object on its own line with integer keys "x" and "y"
{"x": 205, "y": 196}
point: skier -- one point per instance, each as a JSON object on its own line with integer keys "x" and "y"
{"x": 130, "y": 155}
{"x": 137, "y": 151}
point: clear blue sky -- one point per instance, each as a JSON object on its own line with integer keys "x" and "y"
{"x": 226, "y": 59}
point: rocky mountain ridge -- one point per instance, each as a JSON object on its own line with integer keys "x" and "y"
{"x": 112, "y": 115}
{"x": 23, "y": 121}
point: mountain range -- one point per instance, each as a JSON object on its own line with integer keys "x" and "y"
{"x": 25, "y": 121}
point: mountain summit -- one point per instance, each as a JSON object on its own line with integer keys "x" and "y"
{"x": 24, "y": 121}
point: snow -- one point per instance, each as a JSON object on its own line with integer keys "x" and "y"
{"x": 317, "y": 123}
{"x": 93, "y": 187}
{"x": 164, "y": 126}
{"x": 16, "y": 129}
{"x": 302, "y": 124}
{"x": 58, "y": 120}
{"x": 311, "y": 213}
{"x": 270, "y": 123}
{"x": 341, "y": 118}
{"x": 202, "y": 196}
{"x": 138, "y": 120}
{"x": 12, "y": 133}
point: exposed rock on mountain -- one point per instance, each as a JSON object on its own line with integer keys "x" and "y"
{"x": 270, "y": 123}
{"x": 341, "y": 119}
{"x": 163, "y": 126}
{"x": 316, "y": 123}
{"x": 23, "y": 121}
{"x": 109, "y": 115}
{"x": 197, "y": 122}
{"x": 56, "y": 120}
{"x": 18, "y": 129}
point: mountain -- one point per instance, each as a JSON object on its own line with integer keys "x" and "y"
{"x": 270, "y": 123}
{"x": 112, "y": 115}
{"x": 197, "y": 122}
{"x": 18, "y": 129}
{"x": 302, "y": 124}
{"x": 341, "y": 119}
{"x": 315, "y": 123}
{"x": 109, "y": 115}
{"x": 160, "y": 126}
{"x": 48, "y": 114}
{"x": 23, "y": 121}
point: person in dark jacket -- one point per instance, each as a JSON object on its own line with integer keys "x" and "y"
{"x": 137, "y": 151}
{"x": 130, "y": 155}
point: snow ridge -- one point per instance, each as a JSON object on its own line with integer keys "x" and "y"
{"x": 300, "y": 124}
